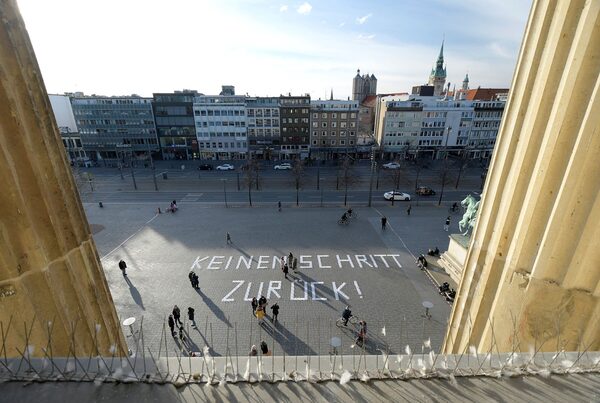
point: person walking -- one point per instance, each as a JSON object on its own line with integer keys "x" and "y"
{"x": 447, "y": 224}
{"x": 254, "y": 306}
{"x": 383, "y": 222}
{"x": 191, "y": 316}
{"x": 177, "y": 315}
{"x": 275, "y": 309}
{"x": 123, "y": 266}
{"x": 290, "y": 259}
{"x": 171, "y": 325}
{"x": 279, "y": 205}
{"x": 196, "y": 283}
{"x": 262, "y": 302}
{"x": 229, "y": 241}
{"x": 408, "y": 210}
{"x": 264, "y": 348}
{"x": 191, "y": 277}
{"x": 260, "y": 315}
{"x": 286, "y": 270}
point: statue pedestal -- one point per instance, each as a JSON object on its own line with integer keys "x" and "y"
{"x": 453, "y": 260}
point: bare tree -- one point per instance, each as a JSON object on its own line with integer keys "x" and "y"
{"x": 445, "y": 177}
{"x": 461, "y": 163}
{"x": 251, "y": 177}
{"x": 346, "y": 177}
{"x": 298, "y": 174}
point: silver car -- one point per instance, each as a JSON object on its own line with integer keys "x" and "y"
{"x": 394, "y": 194}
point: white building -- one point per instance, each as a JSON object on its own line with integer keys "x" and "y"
{"x": 65, "y": 120}
{"x": 221, "y": 126}
{"x": 428, "y": 125}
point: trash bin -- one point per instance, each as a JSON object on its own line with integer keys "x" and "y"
{"x": 164, "y": 175}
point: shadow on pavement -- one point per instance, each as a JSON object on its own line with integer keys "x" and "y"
{"x": 135, "y": 294}
{"x": 214, "y": 308}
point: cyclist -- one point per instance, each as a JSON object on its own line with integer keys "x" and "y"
{"x": 455, "y": 206}
{"x": 346, "y": 315}
{"x": 422, "y": 262}
{"x": 349, "y": 212}
{"x": 345, "y": 216}
{"x": 362, "y": 332}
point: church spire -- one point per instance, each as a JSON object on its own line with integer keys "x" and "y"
{"x": 331, "y": 99}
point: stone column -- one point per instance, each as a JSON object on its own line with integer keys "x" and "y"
{"x": 49, "y": 266}
{"x": 532, "y": 274}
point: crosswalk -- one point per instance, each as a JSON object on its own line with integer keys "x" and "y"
{"x": 192, "y": 197}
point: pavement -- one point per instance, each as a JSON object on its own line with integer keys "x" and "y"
{"x": 360, "y": 264}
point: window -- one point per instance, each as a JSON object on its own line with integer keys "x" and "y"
{"x": 315, "y": 124}
{"x": 333, "y": 133}
{"x": 324, "y": 115}
{"x": 324, "y": 124}
{"x": 343, "y": 115}
{"x": 332, "y": 142}
{"x": 342, "y": 142}
{"x": 315, "y": 115}
{"x": 315, "y": 133}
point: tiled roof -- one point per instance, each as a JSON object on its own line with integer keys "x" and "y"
{"x": 485, "y": 94}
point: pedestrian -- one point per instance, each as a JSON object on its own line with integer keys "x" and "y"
{"x": 177, "y": 315}
{"x": 408, "y": 210}
{"x": 191, "y": 316}
{"x": 383, "y": 222}
{"x": 279, "y": 205}
{"x": 171, "y": 324}
{"x": 253, "y": 351}
{"x": 191, "y": 277}
{"x": 286, "y": 270}
{"x": 290, "y": 259}
{"x": 260, "y": 315}
{"x": 275, "y": 309}
{"x": 282, "y": 262}
{"x": 447, "y": 224}
{"x": 123, "y": 267}
{"x": 229, "y": 239}
{"x": 196, "y": 284}
{"x": 181, "y": 334}
{"x": 254, "y": 306}
{"x": 262, "y": 302}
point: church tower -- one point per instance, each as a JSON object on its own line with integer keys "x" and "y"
{"x": 357, "y": 85}
{"x": 437, "y": 78}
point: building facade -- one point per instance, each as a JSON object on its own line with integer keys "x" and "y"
{"x": 334, "y": 129}
{"x": 221, "y": 126}
{"x": 363, "y": 86}
{"x": 295, "y": 126}
{"x": 115, "y": 130}
{"x": 175, "y": 125}
{"x": 426, "y": 126}
{"x": 69, "y": 133}
{"x": 263, "y": 123}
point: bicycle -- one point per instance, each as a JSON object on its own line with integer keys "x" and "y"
{"x": 353, "y": 214}
{"x": 343, "y": 222}
{"x": 352, "y": 320}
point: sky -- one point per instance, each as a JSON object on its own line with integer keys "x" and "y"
{"x": 268, "y": 48}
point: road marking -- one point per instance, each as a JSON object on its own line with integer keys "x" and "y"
{"x": 131, "y": 236}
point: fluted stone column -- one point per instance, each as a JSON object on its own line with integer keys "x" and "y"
{"x": 49, "y": 266}
{"x": 532, "y": 274}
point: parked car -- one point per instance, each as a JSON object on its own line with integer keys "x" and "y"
{"x": 396, "y": 195}
{"x": 285, "y": 165}
{"x": 391, "y": 165}
{"x": 225, "y": 167}
{"x": 205, "y": 167}
{"x": 425, "y": 191}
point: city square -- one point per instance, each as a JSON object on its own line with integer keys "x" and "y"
{"x": 371, "y": 269}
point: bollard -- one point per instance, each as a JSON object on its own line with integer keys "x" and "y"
{"x": 159, "y": 212}
{"x": 100, "y": 205}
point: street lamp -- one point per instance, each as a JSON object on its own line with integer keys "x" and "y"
{"x": 373, "y": 165}
{"x": 225, "y": 191}
{"x": 320, "y": 179}
{"x": 152, "y": 166}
